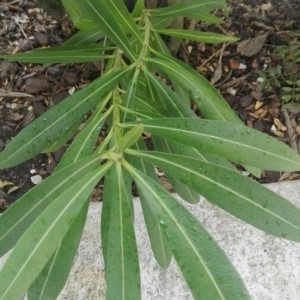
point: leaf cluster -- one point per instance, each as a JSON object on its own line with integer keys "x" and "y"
{"x": 285, "y": 75}
{"x": 132, "y": 99}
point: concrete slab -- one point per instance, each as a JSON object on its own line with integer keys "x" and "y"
{"x": 269, "y": 266}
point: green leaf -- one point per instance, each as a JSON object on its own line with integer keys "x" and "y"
{"x": 187, "y": 7}
{"x": 104, "y": 14}
{"x": 192, "y": 35}
{"x": 109, "y": 192}
{"x": 79, "y": 14}
{"x": 144, "y": 106}
{"x": 159, "y": 245}
{"x": 39, "y": 242}
{"x": 120, "y": 12}
{"x": 181, "y": 189}
{"x": 122, "y": 266}
{"x": 53, "y": 277}
{"x": 63, "y": 54}
{"x": 287, "y": 89}
{"x": 138, "y": 8}
{"x": 204, "y": 266}
{"x": 129, "y": 99}
{"x": 84, "y": 37}
{"x": 208, "y": 99}
{"x": 232, "y": 141}
{"x": 206, "y": 17}
{"x": 174, "y": 106}
{"x": 130, "y": 137}
{"x": 63, "y": 139}
{"x": 54, "y": 123}
{"x": 84, "y": 143}
{"x": 240, "y": 196}
{"x": 286, "y": 98}
{"x": 20, "y": 215}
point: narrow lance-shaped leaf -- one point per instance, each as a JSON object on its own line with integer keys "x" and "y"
{"x": 63, "y": 139}
{"x": 84, "y": 143}
{"x": 168, "y": 146}
{"x": 104, "y": 18}
{"x": 109, "y": 193}
{"x": 20, "y": 215}
{"x": 120, "y": 12}
{"x": 53, "y": 277}
{"x": 79, "y": 14}
{"x": 55, "y": 122}
{"x": 206, "y": 18}
{"x": 176, "y": 107}
{"x": 85, "y": 37}
{"x": 208, "y": 99}
{"x": 240, "y": 196}
{"x": 129, "y": 99}
{"x": 173, "y": 106}
{"x": 159, "y": 245}
{"x": 203, "y": 37}
{"x": 187, "y": 7}
{"x": 122, "y": 266}
{"x": 130, "y": 137}
{"x": 204, "y": 266}
{"x": 39, "y": 242}
{"x": 166, "y": 101}
{"x": 232, "y": 141}
{"x": 63, "y": 54}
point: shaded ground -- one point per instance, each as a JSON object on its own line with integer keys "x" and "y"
{"x": 241, "y": 71}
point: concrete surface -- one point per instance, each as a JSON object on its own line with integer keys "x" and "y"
{"x": 269, "y": 266}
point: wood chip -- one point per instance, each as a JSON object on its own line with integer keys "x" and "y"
{"x": 279, "y": 125}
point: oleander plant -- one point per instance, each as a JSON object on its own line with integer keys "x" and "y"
{"x": 143, "y": 93}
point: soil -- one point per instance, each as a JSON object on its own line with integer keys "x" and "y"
{"x": 26, "y": 90}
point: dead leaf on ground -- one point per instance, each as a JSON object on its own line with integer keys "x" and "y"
{"x": 279, "y": 125}
{"x": 252, "y": 46}
{"x": 4, "y": 183}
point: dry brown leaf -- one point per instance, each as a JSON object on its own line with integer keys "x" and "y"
{"x": 279, "y": 125}
{"x": 12, "y": 189}
{"x": 234, "y": 64}
{"x": 258, "y": 105}
{"x": 278, "y": 133}
{"x": 4, "y": 183}
{"x": 252, "y": 46}
{"x": 259, "y": 114}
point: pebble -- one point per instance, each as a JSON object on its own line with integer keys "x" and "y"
{"x": 36, "y": 179}
{"x": 6, "y": 68}
{"x": 36, "y": 85}
{"x": 71, "y": 78}
{"x": 42, "y": 38}
{"x": 246, "y": 100}
{"x": 14, "y": 106}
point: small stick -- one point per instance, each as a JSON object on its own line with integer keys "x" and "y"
{"x": 234, "y": 81}
{"x": 10, "y": 3}
{"x": 290, "y": 131}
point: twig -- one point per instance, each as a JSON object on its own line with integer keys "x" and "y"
{"x": 218, "y": 72}
{"x": 211, "y": 57}
{"x": 290, "y": 131}
{"x": 23, "y": 32}
{"x": 4, "y": 93}
{"x": 10, "y": 3}
{"x": 234, "y": 81}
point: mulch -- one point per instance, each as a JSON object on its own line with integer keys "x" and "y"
{"x": 236, "y": 69}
